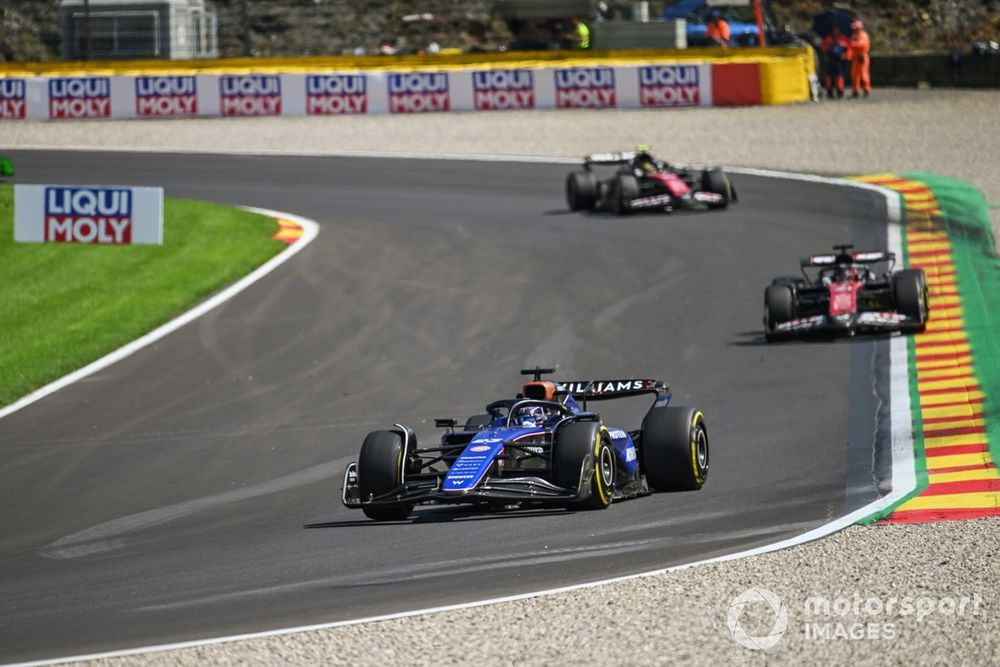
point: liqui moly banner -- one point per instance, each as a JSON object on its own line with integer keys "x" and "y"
{"x": 334, "y": 94}
{"x": 585, "y": 88}
{"x": 418, "y": 92}
{"x": 494, "y": 89}
{"x": 652, "y": 85}
{"x": 670, "y": 85}
{"x": 250, "y": 95}
{"x": 166, "y": 96}
{"x": 13, "y": 99}
{"x": 88, "y": 214}
{"x": 80, "y": 97}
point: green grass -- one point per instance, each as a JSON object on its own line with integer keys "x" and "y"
{"x": 62, "y": 305}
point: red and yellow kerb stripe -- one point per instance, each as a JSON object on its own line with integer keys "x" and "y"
{"x": 963, "y": 481}
{"x": 288, "y": 231}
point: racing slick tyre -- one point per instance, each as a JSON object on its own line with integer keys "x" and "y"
{"x": 581, "y": 190}
{"x": 674, "y": 449}
{"x": 715, "y": 180}
{"x": 779, "y": 307}
{"x": 478, "y": 422}
{"x": 585, "y": 443}
{"x": 624, "y": 188}
{"x": 909, "y": 288}
{"x": 380, "y": 470}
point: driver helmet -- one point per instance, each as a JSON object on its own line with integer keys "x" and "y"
{"x": 845, "y": 272}
{"x": 532, "y": 415}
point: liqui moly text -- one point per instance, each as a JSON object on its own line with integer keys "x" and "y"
{"x": 12, "y": 98}
{"x": 418, "y": 92}
{"x": 503, "y": 89}
{"x": 250, "y": 95}
{"x": 585, "y": 88}
{"x": 88, "y": 215}
{"x": 166, "y": 96}
{"x": 80, "y": 97}
{"x": 669, "y": 86}
{"x": 335, "y": 94}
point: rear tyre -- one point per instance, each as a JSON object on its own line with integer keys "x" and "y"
{"x": 674, "y": 449}
{"x": 909, "y": 288}
{"x": 585, "y": 443}
{"x": 715, "y": 180}
{"x": 581, "y": 190}
{"x": 380, "y": 470}
{"x": 779, "y": 307}
{"x": 478, "y": 422}
{"x": 624, "y": 188}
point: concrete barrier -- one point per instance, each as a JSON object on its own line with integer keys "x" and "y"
{"x": 334, "y": 86}
{"x": 937, "y": 70}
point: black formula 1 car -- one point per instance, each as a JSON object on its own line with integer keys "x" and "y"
{"x": 846, "y": 296}
{"x": 539, "y": 448}
{"x": 641, "y": 182}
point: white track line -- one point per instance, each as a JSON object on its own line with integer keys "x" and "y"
{"x": 309, "y": 228}
{"x": 903, "y": 474}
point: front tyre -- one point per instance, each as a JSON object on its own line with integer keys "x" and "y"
{"x": 624, "y": 188}
{"x": 715, "y": 180}
{"x": 909, "y": 287}
{"x": 779, "y": 307}
{"x": 380, "y": 470}
{"x": 674, "y": 449}
{"x": 580, "y": 444}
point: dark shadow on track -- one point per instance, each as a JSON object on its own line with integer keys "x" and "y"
{"x": 756, "y": 339}
{"x": 439, "y": 515}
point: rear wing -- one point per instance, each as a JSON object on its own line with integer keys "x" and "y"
{"x": 864, "y": 257}
{"x": 623, "y": 157}
{"x": 603, "y": 390}
{"x": 592, "y": 390}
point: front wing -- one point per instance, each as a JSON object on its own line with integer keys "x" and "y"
{"x": 665, "y": 200}
{"x": 864, "y": 322}
{"x": 529, "y": 489}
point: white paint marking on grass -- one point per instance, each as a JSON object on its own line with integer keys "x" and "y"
{"x": 309, "y": 231}
{"x": 903, "y": 473}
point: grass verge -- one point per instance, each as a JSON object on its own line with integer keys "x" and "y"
{"x": 63, "y": 306}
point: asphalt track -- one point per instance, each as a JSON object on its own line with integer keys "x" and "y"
{"x": 191, "y": 490}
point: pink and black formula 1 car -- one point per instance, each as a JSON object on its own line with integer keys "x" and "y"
{"x": 846, "y": 297}
{"x": 642, "y": 182}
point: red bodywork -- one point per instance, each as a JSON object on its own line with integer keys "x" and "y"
{"x": 674, "y": 184}
{"x": 844, "y": 297}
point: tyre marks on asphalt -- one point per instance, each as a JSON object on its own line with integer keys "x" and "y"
{"x": 962, "y": 479}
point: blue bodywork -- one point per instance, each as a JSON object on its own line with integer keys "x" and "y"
{"x": 477, "y": 458}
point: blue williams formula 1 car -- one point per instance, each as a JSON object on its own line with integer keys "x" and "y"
{"x": 540, "y": 448}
